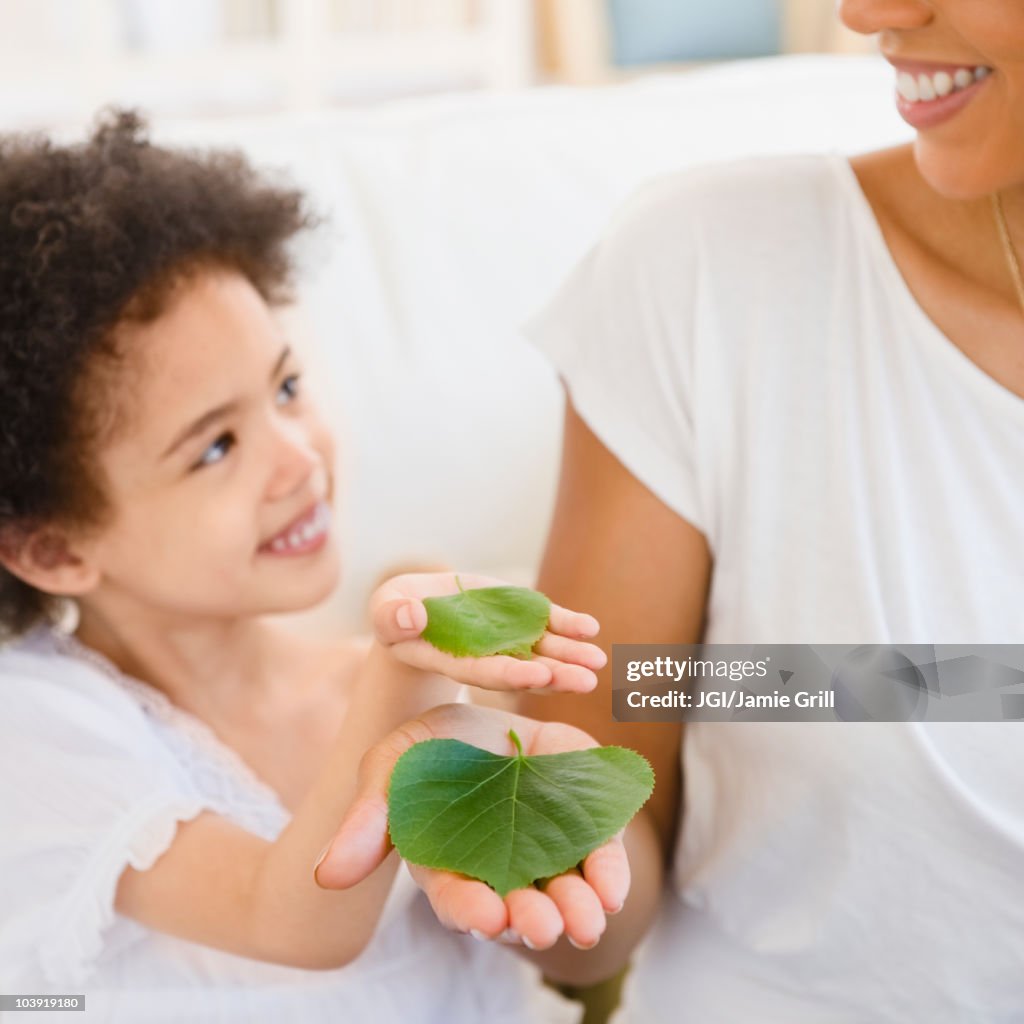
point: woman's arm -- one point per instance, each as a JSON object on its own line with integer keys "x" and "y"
{"x": 644, "y": 573}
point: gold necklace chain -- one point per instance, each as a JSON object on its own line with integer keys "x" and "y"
{"x": 1011, "y": 253}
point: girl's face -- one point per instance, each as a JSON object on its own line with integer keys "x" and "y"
{"x": 223, "y": 452}
{"x": 970, "y": 142}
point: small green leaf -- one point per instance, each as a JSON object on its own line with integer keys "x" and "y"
{"x": 487, "y": 620}
{"x": 510, "y": 821}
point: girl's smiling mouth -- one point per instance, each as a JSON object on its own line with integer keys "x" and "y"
{"x": 303, "y": 535}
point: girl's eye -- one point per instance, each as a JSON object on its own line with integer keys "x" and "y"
{"x": 292, "y": 384}
{"x": 217, "y": 445}
{"x": 228, "y": 438}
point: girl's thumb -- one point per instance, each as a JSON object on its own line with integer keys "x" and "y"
{"x": 358, "y": 847}
{"x": 402, "y": 619}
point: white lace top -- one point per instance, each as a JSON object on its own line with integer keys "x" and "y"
{"x": 96, "y": 770}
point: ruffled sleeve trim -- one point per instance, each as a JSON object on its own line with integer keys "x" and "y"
{"x": 73, "y": 940}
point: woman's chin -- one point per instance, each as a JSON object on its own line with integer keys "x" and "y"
{"x": 957, "y": 176}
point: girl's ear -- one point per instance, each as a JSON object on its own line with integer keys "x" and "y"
{"x": 45, "y": 560}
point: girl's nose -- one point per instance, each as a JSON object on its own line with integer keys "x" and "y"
{"x": 295, "y": 457}
{"x": 871, "y": 16}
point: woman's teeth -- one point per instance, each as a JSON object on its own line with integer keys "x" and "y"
{"x": 922, "y": 88}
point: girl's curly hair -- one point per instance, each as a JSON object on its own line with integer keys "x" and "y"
{"x": 93, "y": 236}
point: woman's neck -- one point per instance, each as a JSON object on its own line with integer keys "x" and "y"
{"x": 961, "y": 235}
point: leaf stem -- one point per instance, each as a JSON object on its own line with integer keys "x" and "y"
{"x": 516, "y": 741}
{"x": 458, "y": 583}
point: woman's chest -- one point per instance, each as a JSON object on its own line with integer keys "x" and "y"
{"x": 883, "y": 502}
{"x": 953, "y": 262}
{"x": 986, "y": 326}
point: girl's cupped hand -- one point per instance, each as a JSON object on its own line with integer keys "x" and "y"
{"x": 574, "y": 903}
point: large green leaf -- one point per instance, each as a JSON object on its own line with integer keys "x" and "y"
{"x": 510, "y": 821}
{"x": 487, "y": 620}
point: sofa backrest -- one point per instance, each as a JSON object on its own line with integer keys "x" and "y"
{"x": 453, "y": 218}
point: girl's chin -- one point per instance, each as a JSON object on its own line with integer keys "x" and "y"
{"x": 301, "y": 605}
{"x": 307, "y": 583}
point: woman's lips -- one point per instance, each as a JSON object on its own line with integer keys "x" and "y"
{"x": 924, "y": 114}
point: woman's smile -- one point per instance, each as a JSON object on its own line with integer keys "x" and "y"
{"x": 928, "y": 93}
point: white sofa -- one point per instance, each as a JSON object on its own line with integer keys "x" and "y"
{"x": 453, "y": 219}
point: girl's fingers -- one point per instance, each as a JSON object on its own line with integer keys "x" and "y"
{"x": 573, "y": 624}
{"x": 462, "y": 904}
{"x": 606, "y": 871}
{"x": 500, "y": 671}
{"x": 573, "y": 652}
{"x": 580, "y": 908}
{"x": 495, "y": 672}
{"x": 533, "y": 916}
{"x": 568, "y": 678}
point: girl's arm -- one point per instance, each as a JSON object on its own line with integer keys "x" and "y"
{"x": 221, "y": 886}
{"x": 224, "y": 887}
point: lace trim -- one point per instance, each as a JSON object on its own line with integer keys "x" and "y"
{"x": 157, "y": 703}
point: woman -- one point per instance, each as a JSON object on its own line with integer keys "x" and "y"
{"x": 796, "y": 415}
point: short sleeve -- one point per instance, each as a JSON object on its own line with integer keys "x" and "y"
{"x": 620, "y": 333}
{"x": 85, "y": 790}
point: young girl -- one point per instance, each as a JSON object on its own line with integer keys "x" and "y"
{"x": 171, "y": 763}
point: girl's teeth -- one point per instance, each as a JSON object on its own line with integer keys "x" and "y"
{"x": 304, "y": 533}
{"x": 924, "y": 88}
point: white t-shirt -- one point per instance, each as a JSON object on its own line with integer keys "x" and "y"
{"x": 741, "y": 339}
{"x": 96, "y": 770}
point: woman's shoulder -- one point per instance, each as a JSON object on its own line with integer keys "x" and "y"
{"x": 734, "y": 211}
{"x": 754, "y": 185}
